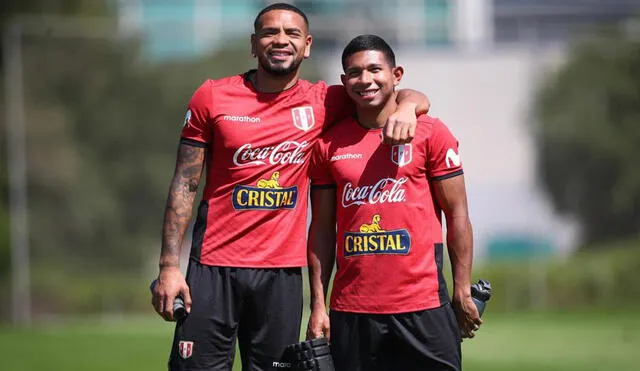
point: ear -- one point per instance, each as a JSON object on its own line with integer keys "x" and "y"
{"x": 398, "y": 72}
{"x": 253, "y": 45}
{"x": 343, "y": 78}
{"x": 307, "y": 46}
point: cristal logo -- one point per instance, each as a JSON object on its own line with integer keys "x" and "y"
{"x": 289, "y": 152}
{"x": 385, "y": 190}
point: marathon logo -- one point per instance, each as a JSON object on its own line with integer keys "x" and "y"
{"x": 254, "y": 120}
{"x": 373, "y": 240}
{"x": 266, "y": 195}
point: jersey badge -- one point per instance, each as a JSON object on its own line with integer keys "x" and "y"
{"x": 267, "y": 194}
{"x": 303, "y": 117}
{"x": 401, "y": 154}
{"x": 372, "y": 239}
{"x": 185, "y": 348}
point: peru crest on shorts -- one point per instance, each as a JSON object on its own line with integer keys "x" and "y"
{"x": 303, "y": 117}
{"x": 401, "y": 154}
{"x": 185, "y": 349}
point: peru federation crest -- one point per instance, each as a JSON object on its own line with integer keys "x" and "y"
{"x": 185, "y": 349}
{"x": 303, "y": 117}
{"x": 401, "y": 154}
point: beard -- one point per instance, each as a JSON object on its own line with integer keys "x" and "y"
{"x": 279, "y": 70}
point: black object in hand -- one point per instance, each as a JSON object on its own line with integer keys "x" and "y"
{"x": 481, "y": 293}
{"x": 179, "y": 310}
{"x": 310, "y": 355}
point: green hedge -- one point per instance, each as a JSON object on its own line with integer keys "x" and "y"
{"x": 602, "y": 279}
{"x": 599, "y": 278}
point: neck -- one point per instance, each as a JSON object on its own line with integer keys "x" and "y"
{"x": 265, "y": 82}
{"x": 376, "y": 117}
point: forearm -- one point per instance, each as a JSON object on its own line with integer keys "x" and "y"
{"x": 413, "y": 100}
{"x": 182, "y": 193}
{"x": 460, "y": 246}
{"x": 321, "y": 256}
{"x": 176, "y": 220}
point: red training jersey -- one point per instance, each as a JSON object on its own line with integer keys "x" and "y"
{"x": 389, "y": 234}
{"x": 254, "y": 207}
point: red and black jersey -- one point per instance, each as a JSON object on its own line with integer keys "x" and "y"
{"x": 254, "y": 208}
{"x": 389, "y": 232}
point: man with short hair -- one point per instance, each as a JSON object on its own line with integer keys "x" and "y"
{"x": 254, "y": 132}
{"x": 390, "y": 309}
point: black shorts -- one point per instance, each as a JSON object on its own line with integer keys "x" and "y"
{"x": 261, "y": 307}
{"x": 422, "y": 340}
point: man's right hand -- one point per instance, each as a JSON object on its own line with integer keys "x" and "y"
{"x": 319, "y": 325}
{"x": 171, "y": 283}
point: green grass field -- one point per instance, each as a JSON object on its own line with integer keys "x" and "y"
{"x": 524, "y": 342}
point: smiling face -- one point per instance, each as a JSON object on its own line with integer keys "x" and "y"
{"x": 281, "y": 41}
{"x": 369, "y": 78}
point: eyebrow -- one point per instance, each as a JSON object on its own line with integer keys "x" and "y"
{"x": 372, "y": 65}
{"x": 287, "y": 29}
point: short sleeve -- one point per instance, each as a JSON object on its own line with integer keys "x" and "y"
{"x": 319, "y": 171}
{"x": 338, "y": 105}
{"x": 443, "y": 154}
{"x": 196, "y": 130}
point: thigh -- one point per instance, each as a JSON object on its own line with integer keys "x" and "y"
{"x": 358, "y": 341}
{"x": 271, "y": 316}
{"x": 205, "y": 339}
{"x": 428, "y": 339}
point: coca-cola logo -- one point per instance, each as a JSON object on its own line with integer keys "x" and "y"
{"x": 385, "y": 190}
{"x": 289, "y": 152}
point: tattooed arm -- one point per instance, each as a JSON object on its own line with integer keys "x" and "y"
{"x": 182, "y": 192}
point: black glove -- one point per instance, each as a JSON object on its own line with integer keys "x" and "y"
{"x": 481, "y": 293}
{"x": 310, "y": 355}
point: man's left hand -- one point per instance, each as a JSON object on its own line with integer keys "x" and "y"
{"x": 467, "y": 315}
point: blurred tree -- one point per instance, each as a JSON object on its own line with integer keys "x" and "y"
{"x": 103, "y": 128}
{"x": 588, "y": 136}
{"x": 98, "y": 8}
{"x": 9, "y": 8}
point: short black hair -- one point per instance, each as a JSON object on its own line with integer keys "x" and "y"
{"x": 280, "y": 6}
{"x": 368, "y": 42}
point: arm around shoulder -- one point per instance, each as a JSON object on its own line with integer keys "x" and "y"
{"x": 415, "y": 98}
